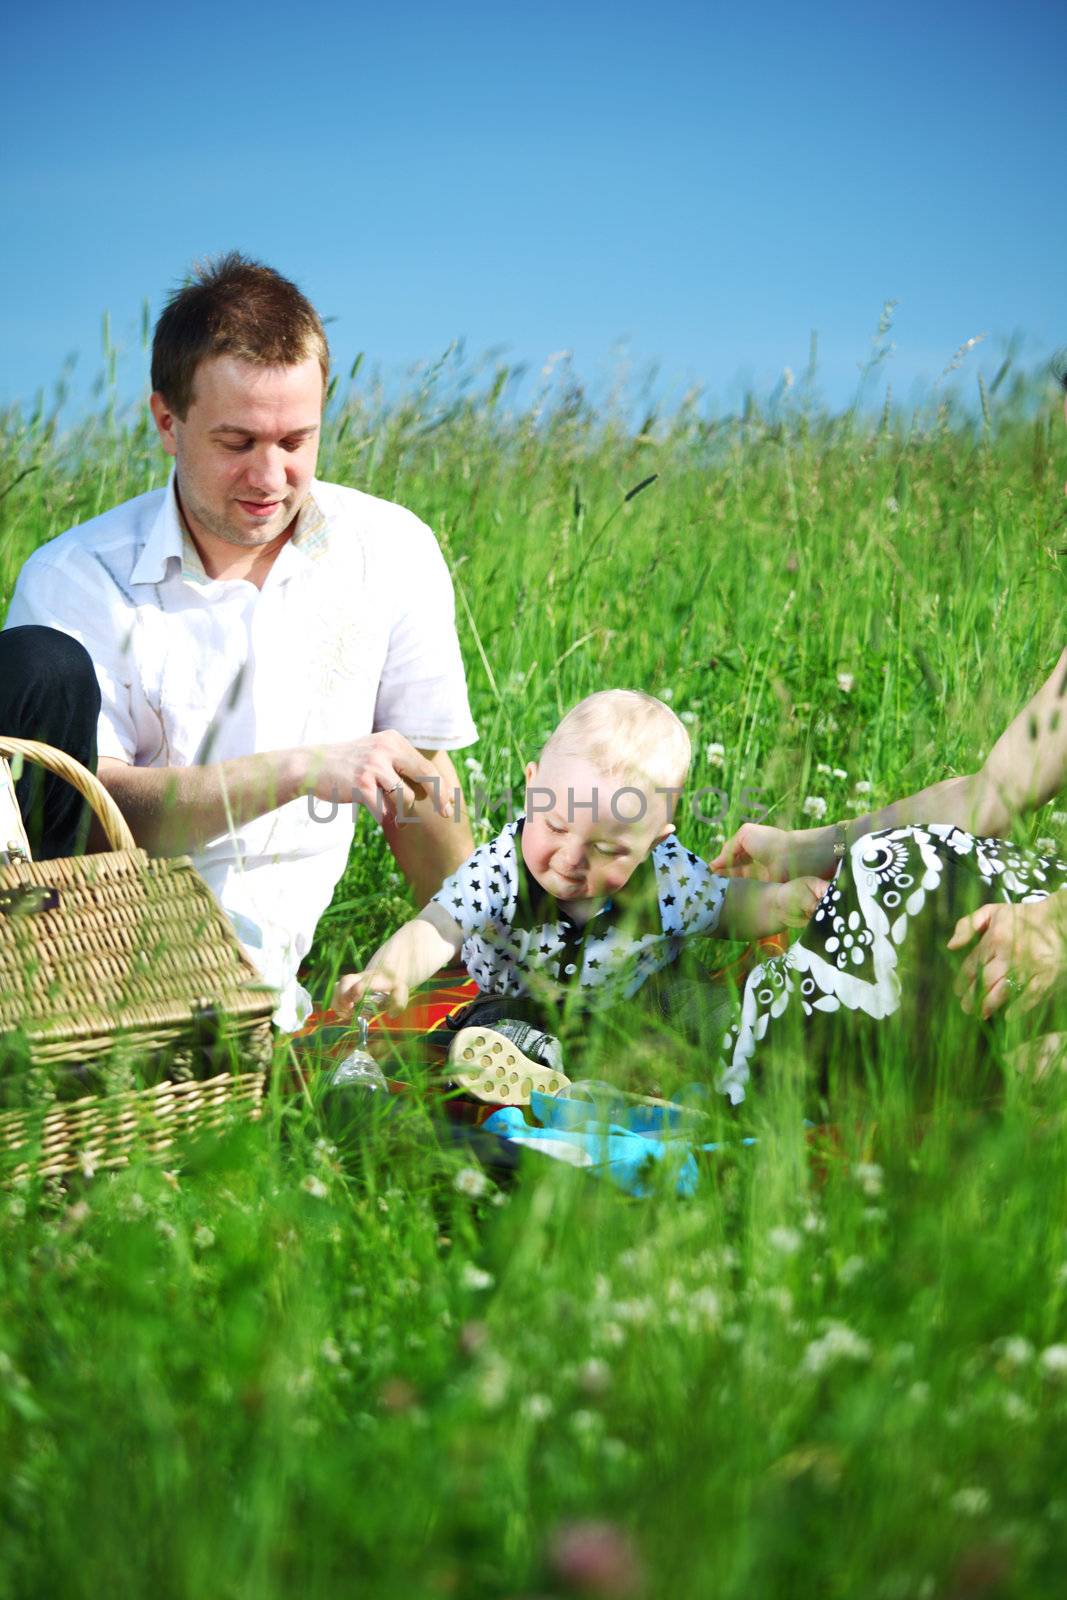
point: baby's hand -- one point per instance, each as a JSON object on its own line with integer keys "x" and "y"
{"x": 798, "y": 898}
{"x": 350, "y": 990}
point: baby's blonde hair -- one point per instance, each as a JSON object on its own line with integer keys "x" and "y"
{"x": 626, "y": 734}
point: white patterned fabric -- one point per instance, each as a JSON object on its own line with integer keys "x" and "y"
{"x": 519, "y": 940}
{"x": 847, "y": 957}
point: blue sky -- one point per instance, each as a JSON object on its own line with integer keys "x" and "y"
{"x": 693, "y": 184}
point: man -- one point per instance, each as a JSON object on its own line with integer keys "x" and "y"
{"x": 260, "y": 638}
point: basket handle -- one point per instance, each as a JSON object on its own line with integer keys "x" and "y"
{"x": 91, "y": 789}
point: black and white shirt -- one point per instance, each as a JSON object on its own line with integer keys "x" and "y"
{"x": 519, "y": 940}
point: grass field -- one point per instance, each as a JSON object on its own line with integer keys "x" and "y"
{"x": 835, "y": 1371}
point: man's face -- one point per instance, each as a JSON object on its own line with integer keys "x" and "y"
{"x": 572, "y": 841}
{"x": 246, "y": 449}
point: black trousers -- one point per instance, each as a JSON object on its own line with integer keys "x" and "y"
{"x": 48, "y": 691}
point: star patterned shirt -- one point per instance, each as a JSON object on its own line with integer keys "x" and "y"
{"x": 519, "y": 940}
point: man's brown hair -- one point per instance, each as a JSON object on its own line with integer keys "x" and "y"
{"x": 233, "y": 307}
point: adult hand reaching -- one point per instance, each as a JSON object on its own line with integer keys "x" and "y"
{"x": 777, "y": 854}
{"x": 1020, "y": 957}
{"x": 755, "y": 851}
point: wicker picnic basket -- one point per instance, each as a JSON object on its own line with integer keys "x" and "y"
{"x": 117, "y": 971}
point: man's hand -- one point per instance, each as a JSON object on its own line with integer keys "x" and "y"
{"x": 382, "y": 771}
{"x": 351, "y": 989}
{"x": 175, "y": 809}
{"x": 1020, "y": 957}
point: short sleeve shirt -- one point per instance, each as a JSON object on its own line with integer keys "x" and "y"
{"x": 352, "y": 631}
{"x": 519, "y": 940}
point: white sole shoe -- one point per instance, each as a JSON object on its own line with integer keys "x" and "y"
{"x": 491, "y": 1068}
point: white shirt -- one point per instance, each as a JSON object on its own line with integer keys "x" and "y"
{"x": 353, "y": 631}
{"x": 519, "y": 940}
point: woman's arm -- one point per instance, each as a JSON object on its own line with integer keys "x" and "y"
{"x": 1026, "y": 767}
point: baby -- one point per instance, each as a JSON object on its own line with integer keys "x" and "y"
{"x": 589, "y": 891}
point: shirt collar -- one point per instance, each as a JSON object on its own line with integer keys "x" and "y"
{"x": 168, "y": 539}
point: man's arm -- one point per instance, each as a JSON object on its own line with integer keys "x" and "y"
{"x": 429, "y": 846}
{"x": 172, "y": 810}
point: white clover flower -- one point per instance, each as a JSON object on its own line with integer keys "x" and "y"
{"x": 869, "y": 1176}
{"x": 891, "y": 504}
{"x": 822, "y": 768}
{"x": 1059, "y": 819}
{"x": 715, "y": 754}
{"x": 329, "y": 1351}
{"x": 1045, "y": 847}
{"x": 973, "y": 1501}
{"x": 1015, "y": 1408}
{"x": 812, "y": 1222}
{"x": 861, "y": 786}
{"x": 585, "y": 1423}
{"x": 494, "y": 1380}
{"x": 470, "y": 1181}
{"x": 594, "y": 1376}
{"x": 840, "y": 774}
{"x": 690, "y": 718}
{"x": 1053, "y": 1361}
{"x": 845, "y": 681}
{"x": 851, "y": 1269}
{"x": 314, "y": 1186}
{"x": 637, "y": 1311}
{"x": 814, "y": 806}
{"x": 473, "y": 1277}
{"x": 665, "y": 694}
{"x": 839, "y": 1343}
{"x": 203, "y": 1237}
{"x": 165, "y": 1229}
{"x": 785, "y": 1240}
{"x": 705, "y": 1305}
{"x": 778, "y": 1296}
{"x": 1015, "y": 1351}
{"x": 537, "y": 1408}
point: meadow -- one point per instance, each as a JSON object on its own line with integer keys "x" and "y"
{"x": 292, "y": 1365}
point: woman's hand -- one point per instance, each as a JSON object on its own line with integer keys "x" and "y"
{"x": 755, "y": 851}
{"x": 797, "y": 900}
{"x": 759, "y": 851}
{"x": 350, "y": 990}
{"x": 1020, "y": 957}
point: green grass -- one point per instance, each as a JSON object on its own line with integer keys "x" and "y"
{"x": 293, "y": 1370}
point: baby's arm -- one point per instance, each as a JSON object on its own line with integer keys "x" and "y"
{"x": 752, "y": 910}
{"x": 408, "y": 957}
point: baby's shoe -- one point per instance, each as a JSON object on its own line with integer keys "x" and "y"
{"x": 506, "y": 1064}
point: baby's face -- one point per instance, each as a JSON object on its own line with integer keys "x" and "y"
{"x": 585, "y": 832}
